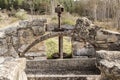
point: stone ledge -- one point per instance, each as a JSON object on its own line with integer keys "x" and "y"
{"x": 63, "y": 77}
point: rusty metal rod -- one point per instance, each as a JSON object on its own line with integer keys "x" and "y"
{"x": 60, "y": 39}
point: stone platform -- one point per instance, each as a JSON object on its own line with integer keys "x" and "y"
{"x": 63, "y": 69}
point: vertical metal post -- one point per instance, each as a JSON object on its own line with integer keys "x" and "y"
{"x": 60, "y": 39}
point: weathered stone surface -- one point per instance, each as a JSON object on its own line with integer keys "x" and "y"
{"x": 24, "y": 36}
{"x": 62, "y": 69}
{"x": 2, "y": 59}
{"x": 109, "y": 64}
{"x": 88, "y": 32}
{"x": 15, "y": 38}
{"x": 108, "y": 55}
{"x": 76, "y": 66}
{"x": 3, "y": 46}
{"x": 13, "y": 69}
{"x": 87, "y": 50}
{"x": 53, "y": 27}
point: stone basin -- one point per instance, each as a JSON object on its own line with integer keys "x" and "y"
{"x": 62, "y": 69}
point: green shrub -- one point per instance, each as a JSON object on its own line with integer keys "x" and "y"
{"x": 67, "y": 46}
{"x": 21, "y": 14}
{"x": 52, "y": 46}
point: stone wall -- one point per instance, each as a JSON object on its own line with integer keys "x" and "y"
{"x": 17, "y": 38}
{"x": 14, "y": 39}
{"x": 86, "y": 31}
{"x": 108, "y": 40}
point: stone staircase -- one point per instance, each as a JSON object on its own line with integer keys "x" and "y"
{"x": 63, "y": 69}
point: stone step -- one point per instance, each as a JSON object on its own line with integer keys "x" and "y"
{"x": 63, "y": 77}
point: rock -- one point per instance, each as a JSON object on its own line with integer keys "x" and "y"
{"x": 108, "y": 55}
{"x": 3, "y": 47}
{"x": 15, "y": 38}
{"x": 109, "y": 64}
{"x": 114, "y": 46}
{"x": 38, "y": 22}
{"x": 23, "y": 24}
{"x": 13, "y": 69}
{"x": 88, "y": 50}
{"x": 2, "y": 35}
{"x": 89, "y": 32}
{"x": 2, "y": 59}
{"x": 38, "y": 30}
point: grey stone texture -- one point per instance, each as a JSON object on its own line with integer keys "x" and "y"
{"x": 62, "y": 66}
{"x": 86, "y": 31}
{"x": 13, "y": 69}
{"x": 14, "y": 39}
{"x": 87, "y": 50}
{"x": 83, "y": 31}
{"x": 27, "y": 35}
{"x": 109, "y": 64}
{"x": 62, "y": 69}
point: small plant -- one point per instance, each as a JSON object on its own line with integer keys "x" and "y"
{"x": 21, "y": 14}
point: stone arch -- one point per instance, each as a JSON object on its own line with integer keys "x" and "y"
{"x": 45, "y": 37}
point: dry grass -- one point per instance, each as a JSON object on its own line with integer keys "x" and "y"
{"x": 107, "y": 25}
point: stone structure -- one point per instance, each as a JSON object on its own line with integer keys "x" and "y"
{"x": 63, "y": 69}
{"x": 14, "y": 39}
{"x": 24, "y": 40}
{"x": 13, "y": 69}
{"x": 109, "y": 64}
{"x": 85, "y": 31}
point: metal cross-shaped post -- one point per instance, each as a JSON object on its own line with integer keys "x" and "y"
{"x": 59, "y": 9}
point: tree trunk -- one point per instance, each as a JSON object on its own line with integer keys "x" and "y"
{"x": 53, "y": 5}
